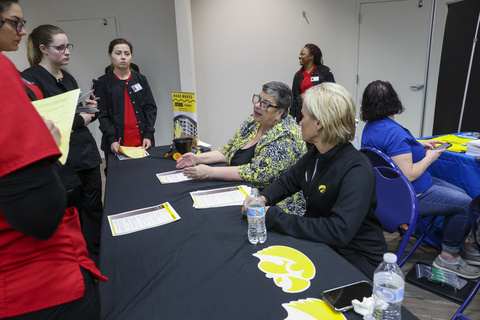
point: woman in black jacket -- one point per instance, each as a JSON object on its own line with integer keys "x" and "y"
{"x": 337, "y": 181}
{"x": 49, "y": 51}
{"x": 127, "y": 107}
{"x": 311, "y": 73}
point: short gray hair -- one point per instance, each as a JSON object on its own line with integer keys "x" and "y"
{"x": 282, "y": 94}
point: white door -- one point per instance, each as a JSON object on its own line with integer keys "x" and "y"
{"x": 89, "y": 57}
{"x": 393, "y": 46}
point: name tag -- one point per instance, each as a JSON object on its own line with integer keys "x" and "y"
{"x": 317, "y": 78}
{"x": 137, "y": 87}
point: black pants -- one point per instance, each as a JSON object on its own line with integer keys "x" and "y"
{"x": 91, "y": 209}
{"x": 87, "y": 307}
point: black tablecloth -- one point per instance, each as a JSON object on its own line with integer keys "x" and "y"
{"x": 200, "y": 267}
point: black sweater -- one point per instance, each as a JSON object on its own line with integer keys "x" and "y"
{"x": 83, "y": 152}
{"x": 339, "y": 187}
{"x": 111, "y": 94}
{"x": 323, "y": 73}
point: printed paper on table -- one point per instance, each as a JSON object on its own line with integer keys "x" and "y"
{"x": 141, "y": 219}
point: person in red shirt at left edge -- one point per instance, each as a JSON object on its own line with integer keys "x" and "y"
{"x": 45, "y": 271}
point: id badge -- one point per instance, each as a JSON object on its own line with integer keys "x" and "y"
{"x": 137, "y": 87}
{"x": 317, "y": 78}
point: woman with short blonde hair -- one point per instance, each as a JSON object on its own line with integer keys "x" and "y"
{"x": 334, "y": 106}
{"x": 337, "y": 181}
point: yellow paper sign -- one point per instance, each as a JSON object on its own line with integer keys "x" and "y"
{"x": 185, "y": 116}
{"x": 61, "y": 110}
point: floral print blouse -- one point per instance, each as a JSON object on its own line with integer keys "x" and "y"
{"x": 277, "y": 150}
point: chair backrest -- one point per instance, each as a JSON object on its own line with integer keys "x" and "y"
{"x": 378, "y": 158}
{"x": 397, "y": 201}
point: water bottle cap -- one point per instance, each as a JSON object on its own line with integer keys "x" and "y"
{"x": 389, "y": 257}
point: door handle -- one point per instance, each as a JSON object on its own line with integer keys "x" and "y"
{"x": 418, "y": 86}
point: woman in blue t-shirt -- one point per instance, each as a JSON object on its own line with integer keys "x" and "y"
{"x": 380, "y": 104}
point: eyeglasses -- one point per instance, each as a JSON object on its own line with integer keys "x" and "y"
{"x": 264, "y": 105}
{"x": 19, "y": 25}
{"x": 63, "y": 48}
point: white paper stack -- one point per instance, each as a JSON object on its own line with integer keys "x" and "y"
{"x": 473, "y": 148}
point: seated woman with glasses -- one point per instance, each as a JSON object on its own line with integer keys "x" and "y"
{"x": 266, "y": 144}
{"x": 337, "y": 181}
{"x": 48, "y": 51}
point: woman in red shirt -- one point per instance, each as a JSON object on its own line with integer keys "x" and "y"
{"x": 311, "y": 73}
{"x": 45, "y": 272}
{"x": 127, "y": 107}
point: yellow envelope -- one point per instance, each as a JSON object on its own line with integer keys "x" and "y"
{"x": 133, "y": 152}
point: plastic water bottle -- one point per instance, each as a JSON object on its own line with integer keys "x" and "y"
{"x": 257, "y": 232}
{"x": 388, "y": 288}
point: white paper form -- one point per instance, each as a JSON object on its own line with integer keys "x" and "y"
{"x": 172, "y": 177}
{"x": 141, "y": 219}
{"x": 230, "y": 196}
{"x": 84, "y": 97}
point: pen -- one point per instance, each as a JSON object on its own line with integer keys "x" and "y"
{"x": 119, "y": 139}
{"x": 193, "y": 162}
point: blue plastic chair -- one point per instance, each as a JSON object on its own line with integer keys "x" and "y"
{"x": 474, "y": 215}
{"x": 397, "y": 204}
{"x": 378, "y": 158}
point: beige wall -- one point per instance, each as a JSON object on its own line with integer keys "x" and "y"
{"x": 148, "y": 24}
{"x": 237, "y": 47}
{"x": 240, "y": 45}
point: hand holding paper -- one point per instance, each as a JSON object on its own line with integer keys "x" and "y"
{"x": 53, "y": 130}
{"x": 60, "y": 109}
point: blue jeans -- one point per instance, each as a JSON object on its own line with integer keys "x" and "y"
{"x": 445, "y": 199}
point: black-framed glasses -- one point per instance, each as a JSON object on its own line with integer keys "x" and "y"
{"x": 18, "y": 24}
{"x": 63, "y": 48}
{"x": 264, "y": 105}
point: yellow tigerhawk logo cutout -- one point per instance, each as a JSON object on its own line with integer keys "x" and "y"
{"x": 311, "y": 309}
{"x": 290, "y": 269}
{"x": 322, "y": 188}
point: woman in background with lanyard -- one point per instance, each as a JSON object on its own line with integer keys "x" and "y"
{"x": 311, "y": 73}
